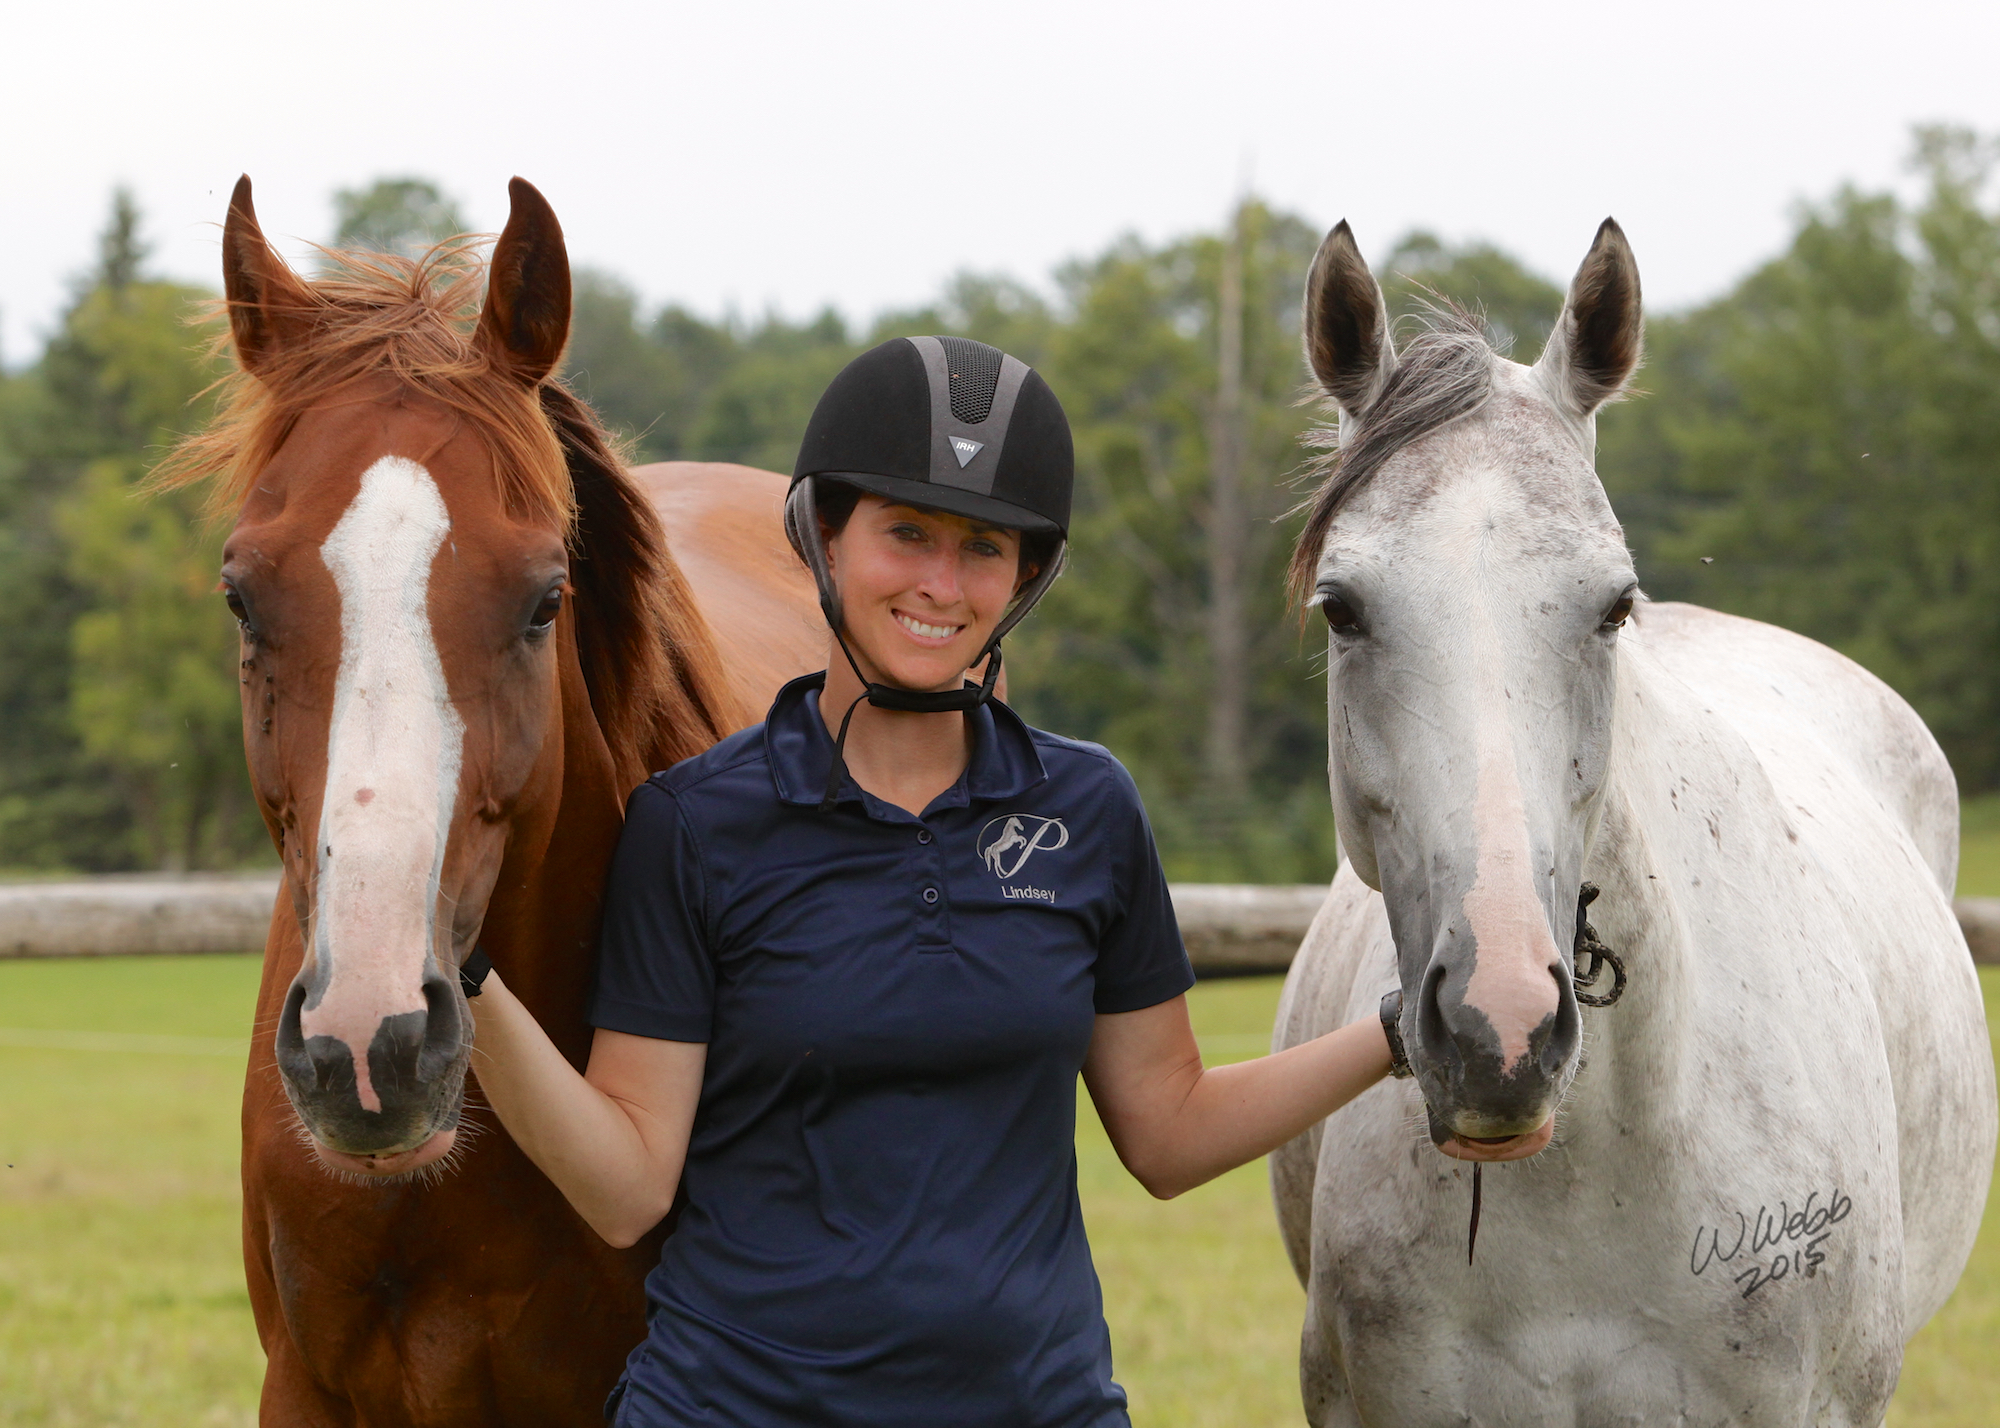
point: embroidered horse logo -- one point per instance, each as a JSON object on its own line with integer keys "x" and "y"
{"x": 1011, "y": 839}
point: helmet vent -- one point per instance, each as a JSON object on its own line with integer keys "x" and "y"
{"x": 975, "y": 376}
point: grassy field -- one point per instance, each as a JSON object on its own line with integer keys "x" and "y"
{"x": 121, "y": 1295}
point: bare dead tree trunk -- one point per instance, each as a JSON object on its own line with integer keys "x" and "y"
{"x": 1228, "y": 540}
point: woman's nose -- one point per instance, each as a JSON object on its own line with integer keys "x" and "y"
{"x": 941, "y": 584}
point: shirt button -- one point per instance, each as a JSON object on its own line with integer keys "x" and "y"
{"x": 930, "y": 894}
{"x": 923, "y": 835}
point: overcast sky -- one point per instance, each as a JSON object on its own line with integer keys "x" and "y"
{"x": 790, "y": 155}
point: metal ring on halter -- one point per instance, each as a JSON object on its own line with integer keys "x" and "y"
{"x": 1588, "y": 946}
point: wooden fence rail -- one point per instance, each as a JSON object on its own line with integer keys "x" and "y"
{"x": 1231, "y": 929}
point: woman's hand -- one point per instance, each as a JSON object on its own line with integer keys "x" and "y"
{"x": 1176, "y": 1124}
{"x": 613, "y": 1139}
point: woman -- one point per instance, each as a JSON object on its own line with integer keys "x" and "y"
{"x": 854, "y": 958}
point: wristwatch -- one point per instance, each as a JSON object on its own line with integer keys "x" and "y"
{"x": 1392, "y": 1027}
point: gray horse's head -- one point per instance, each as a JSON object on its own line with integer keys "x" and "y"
{"x": 1474, "y": 580}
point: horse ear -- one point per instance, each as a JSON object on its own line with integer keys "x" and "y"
{"x": 1594, "y": 346}
{"x": 526, "y": 319}
{"x": 1346, "y": 325}
{"x": 269, "y": 308}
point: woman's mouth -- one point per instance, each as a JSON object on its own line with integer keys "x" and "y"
{"x": 922, "y": 631}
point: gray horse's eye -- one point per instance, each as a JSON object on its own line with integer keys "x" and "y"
{"x": 1618, "y": 613}
{"x": 1339, "y": 615}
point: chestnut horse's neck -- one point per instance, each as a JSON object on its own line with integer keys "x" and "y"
{"x": 541, "y": 923}
{"x": 641, "y": 688}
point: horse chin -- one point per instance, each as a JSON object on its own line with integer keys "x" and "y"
{"x": 391, "y": 1167}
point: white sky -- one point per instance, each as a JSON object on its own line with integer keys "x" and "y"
{"x": 789, "y": 155}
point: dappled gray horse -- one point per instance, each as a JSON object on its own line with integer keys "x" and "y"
{"x": 1770, "y": 1155}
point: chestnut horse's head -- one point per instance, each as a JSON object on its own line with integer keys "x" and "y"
{"x": 451, "y": 601}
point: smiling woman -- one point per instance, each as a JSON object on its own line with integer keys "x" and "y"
{"x": 854, "y": 959}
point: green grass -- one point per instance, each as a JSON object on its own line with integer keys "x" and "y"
{"x": 121, "y": 1290}
{"x": 1979, "y": 846}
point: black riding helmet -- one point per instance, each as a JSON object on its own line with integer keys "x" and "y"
{"x": 953, "y": 425}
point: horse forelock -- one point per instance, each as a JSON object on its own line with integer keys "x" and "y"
{"x": 372, "y": 316}
{"x": 1445, "y": 373}
{"x": 655, "y": 679}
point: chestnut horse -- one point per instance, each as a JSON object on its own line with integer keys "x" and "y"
{"x": 464, "y": 640}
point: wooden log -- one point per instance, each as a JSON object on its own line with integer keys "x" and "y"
{"x": 1242, "y": 929}
{"x": 1231, "y": 929}
{"x": 119, "y": 916}
{"x": 1979, "y": 919}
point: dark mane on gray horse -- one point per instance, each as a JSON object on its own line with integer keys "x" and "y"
{"x": 1445, "y": 373}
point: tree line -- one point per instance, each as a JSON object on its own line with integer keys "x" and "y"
{"x": 1815, "y": 447}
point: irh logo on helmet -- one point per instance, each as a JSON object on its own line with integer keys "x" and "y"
{"x": 965, "y": 448}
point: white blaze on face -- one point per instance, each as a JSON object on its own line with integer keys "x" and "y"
{"x": 392, "y": 765}
{"x": 1513, "y": 950}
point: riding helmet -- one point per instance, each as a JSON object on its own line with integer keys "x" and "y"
{"x": 953, "y": 425}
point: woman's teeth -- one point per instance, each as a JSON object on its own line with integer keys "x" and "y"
{"x": 929, "y": 632}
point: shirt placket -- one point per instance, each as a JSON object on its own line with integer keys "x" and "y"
{"x": 929, "y": 888}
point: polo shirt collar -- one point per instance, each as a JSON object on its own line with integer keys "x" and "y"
{"x": 1004, "y": 761}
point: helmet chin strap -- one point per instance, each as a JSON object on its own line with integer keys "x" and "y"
{"x": 907, "y": 701}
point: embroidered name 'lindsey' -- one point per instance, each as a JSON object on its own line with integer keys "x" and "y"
{"x": 1027, "y": 894}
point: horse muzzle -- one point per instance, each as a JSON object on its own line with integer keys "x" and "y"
{"x": 1492, "y": 1072}
{"x": 389, "y": 1097}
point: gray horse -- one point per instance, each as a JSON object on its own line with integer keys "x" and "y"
{"x": 1765, "y": 1164}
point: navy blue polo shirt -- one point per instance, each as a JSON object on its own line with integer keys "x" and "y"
{"x": 881, "y": 1224}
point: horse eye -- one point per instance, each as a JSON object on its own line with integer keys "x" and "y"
{"x": 1339, "y": 614}
{"x": 1618, "y": 613}
{"x": 237, "y": 608}
{"x": 546, "y": 612}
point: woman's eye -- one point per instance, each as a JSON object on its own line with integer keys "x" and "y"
{"x": 984, "y": 547}
{"x": 1339, "y": 614}
{"x": 1618, "y": 613}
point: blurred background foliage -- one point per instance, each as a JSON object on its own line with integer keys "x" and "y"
{"x": 1819, "y": 447}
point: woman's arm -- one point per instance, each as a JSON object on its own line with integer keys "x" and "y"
{"x": 613, "y": 1139}
{"x": 1176, "y": 1124}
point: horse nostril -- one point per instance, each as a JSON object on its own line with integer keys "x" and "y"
{"x": 444, "y": 1027}
{"x": 1433, "y": 1031}
{"x": 1566, "y": 1036}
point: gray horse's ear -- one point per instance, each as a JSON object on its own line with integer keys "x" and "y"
{"x": 1346, "y": 325}
{"x": 1594, "y": 347}
{"x": 269, "y": 308}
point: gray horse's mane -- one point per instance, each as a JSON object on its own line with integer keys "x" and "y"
{"x": 1445, "y": 372}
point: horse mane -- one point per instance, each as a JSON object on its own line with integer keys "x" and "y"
{"x": 655, "y": 680}
{"x": 648, "y": 657}
{"x": 1445, "y": 373}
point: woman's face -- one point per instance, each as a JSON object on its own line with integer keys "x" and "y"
{"x": 921, "y": 591}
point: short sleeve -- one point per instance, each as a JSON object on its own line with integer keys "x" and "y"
{"x": 655, "y": 975}
{"x": 1141, "y": 960}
